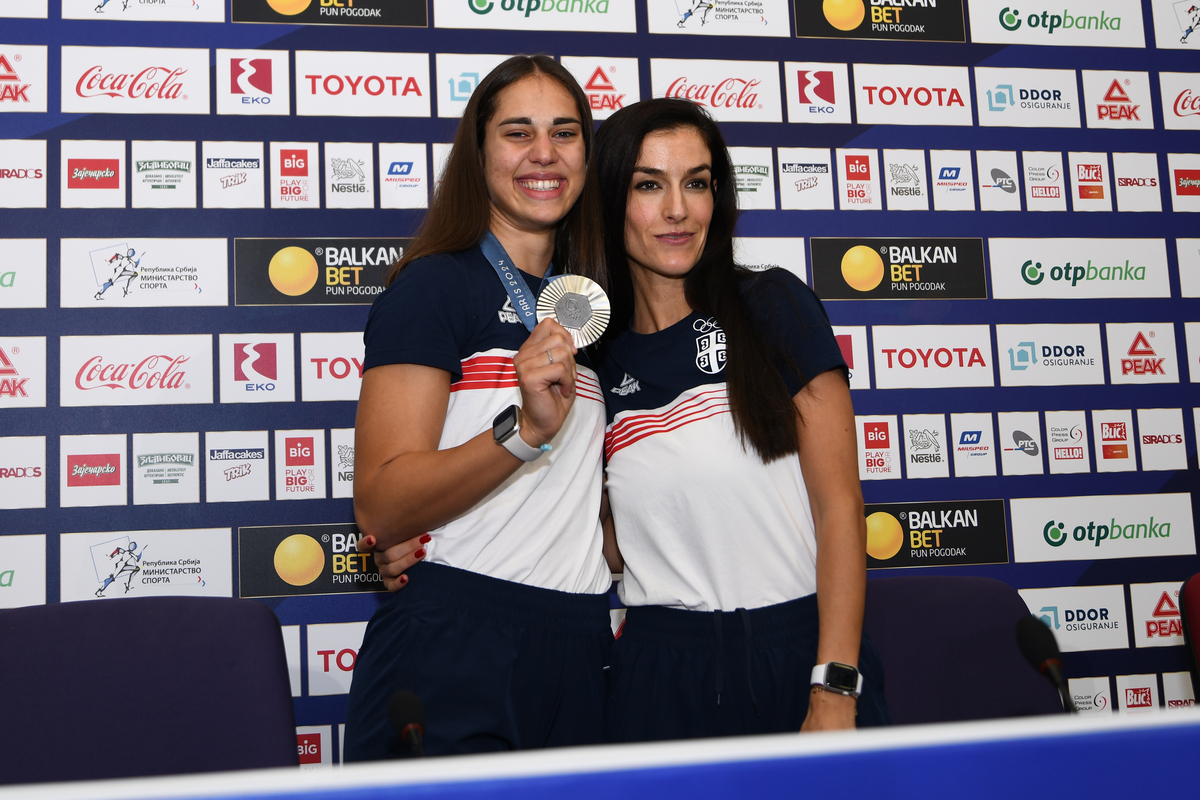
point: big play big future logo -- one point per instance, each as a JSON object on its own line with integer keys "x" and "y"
{"x": 287, "y": 560}
{"x": 409, "y": 13}
{"x": 882, "y": 19}
{"x": 273, "y": 272}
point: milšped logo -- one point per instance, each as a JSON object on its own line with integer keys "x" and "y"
{"x": 1055, "y": 533}
{"x": 1033, "y": 273}
{"x": 1010, "y": 20}
{"x": 528, "y": 7}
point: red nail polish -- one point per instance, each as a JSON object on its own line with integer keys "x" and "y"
{"x": 420, "y": 553}
{"x": 403, "y": 580}
{"x": 425, "y": 538}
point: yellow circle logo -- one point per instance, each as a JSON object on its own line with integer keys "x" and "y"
{"x": 884, "y": 536}
{"x": 293, "y": 271}
{"x": 862, "y": 268}
{"x": 289, "y": 7}
{"x": 299, "y": 559}
{"x": 845, "y": 15}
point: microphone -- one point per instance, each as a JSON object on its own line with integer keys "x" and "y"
{"x": 1037, "y": 643}
{"x": 407, "y": 716}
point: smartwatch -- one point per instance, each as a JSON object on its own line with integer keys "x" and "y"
{"x": 838, "y": 678}
{"x": 506, "y": 430}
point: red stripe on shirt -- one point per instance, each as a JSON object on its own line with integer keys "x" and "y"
{"x": 635, "y": 428}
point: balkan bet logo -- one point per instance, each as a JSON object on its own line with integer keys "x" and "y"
{"x": 815, "y": 86}
{"x": 1142, "y": 359}
{"x": 602, "y": 95}
{"x": 94, "y": 470}
{"x": 333, "y": 12}
{"x": 93, "y": 173}
{"x": 286, "y": 560}
{"x": 11, "y": 382}
{"x": 12, "y": 89}
{"x": 888, "y": 19}
{"x": 251, "y": 76}
{"x": 1117, "y": 104}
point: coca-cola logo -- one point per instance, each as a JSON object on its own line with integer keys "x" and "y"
{"x": 728, "y": 93}
{"x": 152, "y": 83}
{"x": 152, "y": 372}
{"x": 1187, "y": 104}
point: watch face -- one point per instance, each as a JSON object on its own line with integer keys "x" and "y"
{"x": 504, "y": 424}
{"x": 841, "y": 677}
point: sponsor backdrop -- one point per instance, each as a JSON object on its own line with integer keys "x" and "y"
{"x": 197, "y": 211}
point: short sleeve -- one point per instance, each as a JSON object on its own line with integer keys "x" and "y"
{"x": 793, "y": 319}
{"x": 422, "y": 318}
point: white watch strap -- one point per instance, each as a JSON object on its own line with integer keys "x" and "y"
{"x": 517, "y": 446}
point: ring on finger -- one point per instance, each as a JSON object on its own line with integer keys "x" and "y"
{"x": 550, "y": 356}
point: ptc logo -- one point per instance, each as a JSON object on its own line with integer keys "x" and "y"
{"x": 1010, "y": 19}
{"x": 1032, "y": 273}
{"x": 480, "y": 6}
{"x": 1055, "y": 533}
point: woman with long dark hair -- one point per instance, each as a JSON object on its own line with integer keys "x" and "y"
{"x": 479, "y": 437}
{"x": 731, "y": 460}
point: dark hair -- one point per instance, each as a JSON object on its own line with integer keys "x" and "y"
{"x": 461, "y": 212}
{"x": 762, "y": 408}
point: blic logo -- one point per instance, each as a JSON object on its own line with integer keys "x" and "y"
{"x": 727, "y": 93}
{"x": 152, "y": 372}
{"x": 151, "y": 83}
{"x": 1055, "y": 533}
{"x": 1139, "y": 697}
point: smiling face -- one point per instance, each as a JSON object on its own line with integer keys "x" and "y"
{"x": 534, "y": 154}
{"x": 670, "y": 204}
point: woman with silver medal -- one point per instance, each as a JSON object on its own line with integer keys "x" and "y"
{"x": 479, "y": 435}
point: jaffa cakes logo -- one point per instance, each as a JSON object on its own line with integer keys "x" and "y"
{"x": 710, "y": 346}
{"x": 282, "y": 560}
{"x": 122, "y": 568}
{"x": 912, "y": 20}
{"x": 280, "y": 272}
{"x": 898, "y": 269}
{"x": 399, "y": 13}
{"x": 936, "y": 534}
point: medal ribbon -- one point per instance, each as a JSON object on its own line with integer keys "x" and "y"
{"x": 524, "y": 301}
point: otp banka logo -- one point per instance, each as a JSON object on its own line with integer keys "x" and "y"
{"x": 255, "y": 365}
{"x": 251, "y": 78}
{"x": 1056, "y": 535}
{"x": 1010, "y": 20}
{"x": 1033, "y": 273}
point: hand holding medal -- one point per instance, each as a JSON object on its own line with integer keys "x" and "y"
{"x": 578, "y": 304}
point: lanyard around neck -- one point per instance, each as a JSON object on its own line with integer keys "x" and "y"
{"x": 524, "y": 301}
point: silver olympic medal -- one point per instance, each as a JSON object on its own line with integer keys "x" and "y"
{"x": 578, "y": 304}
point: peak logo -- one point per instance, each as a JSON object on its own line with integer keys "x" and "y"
{"x": 134, "y": 80}
{"x": 1097, "y": 23}
{"x": 1116, "y": 99}
{"x": 905, "y": 20}
{"x": 12, "y": 88}
{"x": 23, "y": 78}
{"x": 1142, "y": 352}
{"x": 609, "y": 83}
